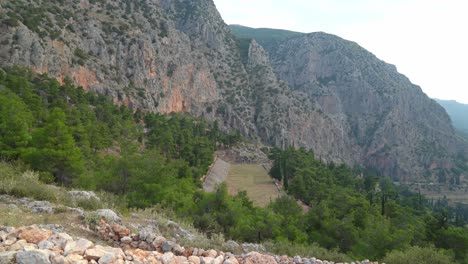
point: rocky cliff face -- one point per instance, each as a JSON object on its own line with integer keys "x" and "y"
{"x": 395, "y": 126}
{"x": 315, "y": 91}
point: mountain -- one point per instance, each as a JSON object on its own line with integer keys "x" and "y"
{"x": 285, "y": 88}
{"x": 458, "y": 113}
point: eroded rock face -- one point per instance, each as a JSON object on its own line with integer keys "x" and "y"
{"x": 389, "y": 121}
{"x": 315, "y": 91}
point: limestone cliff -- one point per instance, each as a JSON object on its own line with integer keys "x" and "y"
{"x": 315, "y": 91}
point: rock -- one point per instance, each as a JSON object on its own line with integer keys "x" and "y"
{"x": 147, "y": 233}
{"x": 177, "y": 231}
{"x": 233, "y": 246}
{"x": 181, "y": 260}
{"x": 210, "y": 253}
{"x": 8, "y": 257}
{"x": 73, "y": 258}
{"x": 167, "y": 246}
{"x": 143, "y": 245}
{"x": 126, "y": 240}
{"x": 231, "y": 260}
{"x": 194, "y": 259}
{"x": 60, "y": 239}
{"x": 53, "y": 227}
{"x": 178, "y": 249}
{"x": 218, "y": 260}
{"x": 158, "y": 241}
{"x": 109, "y": 215}
{"x": 297, "y": 259}
{"x": 111, "y": 258}
{"x": 207, "y": 260}
{"x": 120, "y": 231}
{"x": 95, "y": 253}
{"x": 250, "y": 247}
{"x": 77, "y": 247}
{"x": 35, "y": 235}
{"x": 83, "y": 195}
{"x": 33, "y": 256}
{"x": 45, "y": 244}
{"x": 39, "y": 207}
{"x": 168, "y": 258}
{"x": 137, "y": 254}
{"x": 257, "y": 258}
{"x": 10, "y": 241}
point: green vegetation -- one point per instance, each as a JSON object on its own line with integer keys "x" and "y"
{"x": 264, "y": 36}
{"x": 365, "y": 215}
{"x": 80, "y": 139}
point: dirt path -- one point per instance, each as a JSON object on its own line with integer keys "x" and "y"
{"x": 217, "y": 174}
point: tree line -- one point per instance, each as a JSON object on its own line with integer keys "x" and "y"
{"x": 76, "y": 138}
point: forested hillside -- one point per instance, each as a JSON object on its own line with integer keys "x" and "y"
{"x": 78, "y": 138}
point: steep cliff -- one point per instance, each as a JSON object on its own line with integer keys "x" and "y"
{"x": 316, "y": 91}
{"x": 393, "y": 125}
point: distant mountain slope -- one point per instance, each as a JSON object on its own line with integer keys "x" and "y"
{"x": 458, "y": 113}
{"x": 264, "y": 36}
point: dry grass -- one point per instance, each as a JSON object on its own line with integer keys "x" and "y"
{"x": 254, "y": 179}
{"x": 17, "y": 216}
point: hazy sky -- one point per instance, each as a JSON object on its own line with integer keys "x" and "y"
{"x": 426, "y": 39}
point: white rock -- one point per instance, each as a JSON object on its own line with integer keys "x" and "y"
{"x": 33, "y": 256}
{"x": 109, "y": 215}
{"x": 8, "y": 257}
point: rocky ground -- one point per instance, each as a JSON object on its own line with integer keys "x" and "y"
{"x": 102, "y": 236}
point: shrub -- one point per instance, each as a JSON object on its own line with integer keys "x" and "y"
{"x": 314, "y": 250}
{"x": 418, "y": 255}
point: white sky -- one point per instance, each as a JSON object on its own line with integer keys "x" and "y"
{"x": 426, "y": 39}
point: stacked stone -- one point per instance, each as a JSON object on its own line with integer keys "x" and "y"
{"x": 34, "y": 244}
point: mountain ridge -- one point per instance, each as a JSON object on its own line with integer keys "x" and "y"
{"x": 179, "y": 56}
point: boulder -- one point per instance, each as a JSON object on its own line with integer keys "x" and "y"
{"x": 210, "y": 253}
{"x": 45, "y": 244}
{"x": 77, "y": 247}
{"x": 137, "y": 254}
{"x": 83, "y": 195}
{"x": 194, "y": 260}
{"x": 231, "y": 260}
{"x": 257, "y": 258}
{"x": 207, "y": 260}
{"x": 41, "y": 207}
{"x": 8, "y": 257}
{"x": 250, "y": 247}
{"x": 109, "y": 215}
{"x": 158, "y": 241}
{"x": 110, "y": 258}
{"x": 147, "y": 234}
{"x": 33, "y": 234}
{"x": 168, "y": 258}
{"x": 218, "y": 260}
{"x": 167, "y": 246}
{"x": 96, "y": 252}
{"x": 60, "y": 239}
{"x": 33, "y": 256}
{"x": 126, "y": 240}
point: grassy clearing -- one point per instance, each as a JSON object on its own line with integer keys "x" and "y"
{"x": 254, "y": 179}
